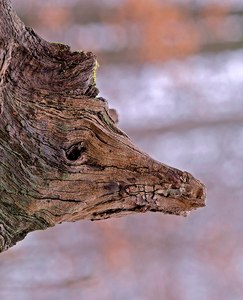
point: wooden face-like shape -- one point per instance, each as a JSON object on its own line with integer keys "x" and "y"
{"x": 97, "y": 165}
{"x": 69, "y": 152}
{"x": 62, "y": 158}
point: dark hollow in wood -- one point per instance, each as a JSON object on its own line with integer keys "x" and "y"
{"x": 75, "y": 152}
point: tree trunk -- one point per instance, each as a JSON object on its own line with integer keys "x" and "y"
{"x": 62, "y": 158}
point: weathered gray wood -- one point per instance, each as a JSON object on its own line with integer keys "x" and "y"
{"x": 62, "y": 158}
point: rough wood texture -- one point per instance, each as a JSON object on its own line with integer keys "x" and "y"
{"x": 62, "y": 158}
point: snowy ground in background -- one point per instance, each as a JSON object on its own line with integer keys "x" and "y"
{"x": 199, "y": 88}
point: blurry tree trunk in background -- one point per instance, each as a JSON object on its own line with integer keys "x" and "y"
{"x": 62, "y": 158}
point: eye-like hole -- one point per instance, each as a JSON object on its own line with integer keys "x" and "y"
{"x": 75, "y": 151}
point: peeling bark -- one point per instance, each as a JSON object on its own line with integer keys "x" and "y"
{"x": 62, "y": 157}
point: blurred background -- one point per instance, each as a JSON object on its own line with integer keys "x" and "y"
{"x": 174, "y": 72}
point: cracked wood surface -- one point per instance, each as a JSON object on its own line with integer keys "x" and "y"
{"x": 62, "y": 157}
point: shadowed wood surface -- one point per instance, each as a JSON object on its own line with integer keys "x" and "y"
{"x": 62, "y": 157}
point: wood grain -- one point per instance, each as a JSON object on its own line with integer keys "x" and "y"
{"x": 62, "y": 157}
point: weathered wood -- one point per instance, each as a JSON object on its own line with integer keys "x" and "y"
{"x": 62, "y": 158}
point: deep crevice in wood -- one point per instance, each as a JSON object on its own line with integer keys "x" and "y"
{"x": 75, "y": 151}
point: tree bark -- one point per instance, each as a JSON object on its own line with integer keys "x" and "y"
{"x": 62, "y": 158}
